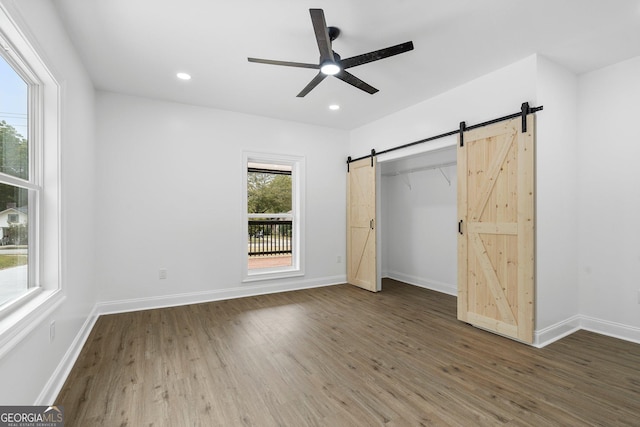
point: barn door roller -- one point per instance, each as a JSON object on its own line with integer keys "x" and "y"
{"x": 525, "y": 109}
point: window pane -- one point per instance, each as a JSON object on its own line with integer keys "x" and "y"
{"x": 268, "y": 188}
{"x": 269, "y": 191}
{"x": 14, "y": 242}
{"x": 14, "y": 148}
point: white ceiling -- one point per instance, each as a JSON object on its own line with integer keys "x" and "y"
{"x": 136, "y": 47}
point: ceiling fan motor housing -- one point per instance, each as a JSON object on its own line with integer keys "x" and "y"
{"x": 334, "y": 32}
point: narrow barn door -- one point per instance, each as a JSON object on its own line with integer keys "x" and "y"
{"x": 496, "y": 228}
{"x": 361, "y": 224}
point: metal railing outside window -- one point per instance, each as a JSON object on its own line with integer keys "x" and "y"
{"x": 270, "y": 236}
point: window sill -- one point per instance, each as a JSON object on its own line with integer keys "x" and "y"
{"x": 270, "y": 274}
{"x": 19, "y": 322}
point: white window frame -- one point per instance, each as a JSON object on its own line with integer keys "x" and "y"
{"x": 296, "y": 268}
{"x": 44, "y": 295}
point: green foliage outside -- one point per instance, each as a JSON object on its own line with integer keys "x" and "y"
{"x": 14, "y": 152}
{"x": 17, "y": 234}
{"x": 8, "y": 261}
{"x": 268, "y": 193}
{"x": 14, "y": 160}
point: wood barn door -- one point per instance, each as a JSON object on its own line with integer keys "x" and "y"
{"x": 361, "y": 224}
{"x": 496, "y": 228}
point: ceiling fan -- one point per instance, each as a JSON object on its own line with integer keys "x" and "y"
{"x": 330, "y": 63}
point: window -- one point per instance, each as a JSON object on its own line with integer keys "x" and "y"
{"x": 29, "y": 239}
{"x": 15, "y": 184}
{"x": 272, "y": 216}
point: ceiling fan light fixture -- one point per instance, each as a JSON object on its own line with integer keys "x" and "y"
{"x": 330, "y": 68}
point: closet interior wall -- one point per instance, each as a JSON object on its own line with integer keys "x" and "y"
{"x": 419, "y": 217}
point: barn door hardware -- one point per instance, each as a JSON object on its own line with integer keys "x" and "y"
{"x": 525, "y": 110}
{"x": 350, "y": 160}
{"x": 460, "y": 227}
{"x": 371, "y": 223}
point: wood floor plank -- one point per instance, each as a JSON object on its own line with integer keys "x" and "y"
{"x": 341, "y": 356}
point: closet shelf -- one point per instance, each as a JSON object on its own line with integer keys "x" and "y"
{"x": 420, "y": 169}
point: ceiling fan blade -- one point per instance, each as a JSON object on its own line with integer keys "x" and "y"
{"x": 376, "y": 55}
{"x": 313, "y": 83}
{"x": 354, "y": 81}
{"x": 285, "y": 63}
{"x": 322, "y": 34}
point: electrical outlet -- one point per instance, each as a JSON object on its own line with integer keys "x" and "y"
{"x": 339, "y": 259}
{"x": 52, "y": 330}
{"x": 162, "y": 274}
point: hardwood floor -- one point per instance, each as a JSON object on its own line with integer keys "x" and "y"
{"x": 341, "y": 356}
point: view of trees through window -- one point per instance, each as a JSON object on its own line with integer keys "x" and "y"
{"x": 14, "y": 198}
{"x": 269, "y": 207}
{"x": 268, "y": 192}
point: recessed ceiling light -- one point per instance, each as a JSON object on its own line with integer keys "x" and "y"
{"x": 183, "y": 76}
{"x": 334, "y": 107}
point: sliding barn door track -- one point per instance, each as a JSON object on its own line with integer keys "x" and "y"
{"x": 525, "y": 110}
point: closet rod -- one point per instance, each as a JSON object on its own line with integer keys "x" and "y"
{"x": 420, "y": 169}
{"x": 524, "y": 111}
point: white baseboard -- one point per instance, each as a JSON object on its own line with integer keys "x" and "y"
{"x": 560, "y": 330}
{"x": 54, "y": 385}
{"x": 546, "y": 336}
{"x": 136, "y": 304}
{"x": 433, "y": 285}
{"x": 611, "y": 329}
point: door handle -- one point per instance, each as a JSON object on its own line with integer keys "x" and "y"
{"x": 371, "y": 224}
{"x": 460, "y": 227}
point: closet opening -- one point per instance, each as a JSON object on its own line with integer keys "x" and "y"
{"x": 417, "y": 217}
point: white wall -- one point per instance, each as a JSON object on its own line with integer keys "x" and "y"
{"x": 171, "y": 197}
{"x": 557, "y": 291}
{"x": 29, "y": 371}
{"x": 609, "y": 198}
